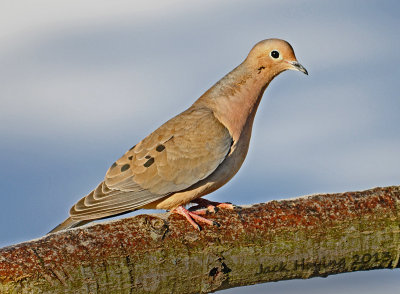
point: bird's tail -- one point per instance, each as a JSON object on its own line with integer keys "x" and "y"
{"x": 68, "y": 224}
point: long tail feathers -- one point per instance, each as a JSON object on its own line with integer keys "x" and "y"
{"x": 68, "y": 224}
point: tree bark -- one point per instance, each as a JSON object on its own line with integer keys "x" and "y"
{"x": 309, "y": 236}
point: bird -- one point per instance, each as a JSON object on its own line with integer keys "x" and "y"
{"x": 193, "y": 153}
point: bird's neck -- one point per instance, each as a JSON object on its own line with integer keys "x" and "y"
{"x": 235, "y": 99}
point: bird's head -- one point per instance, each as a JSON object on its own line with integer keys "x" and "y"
{"x": 273, "y": 56}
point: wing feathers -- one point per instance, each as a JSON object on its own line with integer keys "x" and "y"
{"x": 183, "y": 151}
{"x": 114, "y": 202}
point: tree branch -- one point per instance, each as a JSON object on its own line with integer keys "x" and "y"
{"x": 305, "y": 237}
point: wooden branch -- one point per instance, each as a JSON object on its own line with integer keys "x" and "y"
{"x": 301, "y": 238}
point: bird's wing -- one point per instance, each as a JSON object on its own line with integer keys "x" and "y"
{"x": 183, "y": 151}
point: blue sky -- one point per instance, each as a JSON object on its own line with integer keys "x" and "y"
{"x": 83, "y": 81}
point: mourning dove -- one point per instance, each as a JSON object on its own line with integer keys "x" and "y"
{"x": 194, "y": 153}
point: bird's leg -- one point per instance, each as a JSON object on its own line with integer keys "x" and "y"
{"x": 209, "y": 206}
{"x": 191, "y": 217}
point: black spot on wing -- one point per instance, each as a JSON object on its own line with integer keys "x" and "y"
{"x": 113, "y": 165}
{"x": 147, "y": 156}
{"x": 132, "y": 147}
{"x": 125, "y": 167}
{"x": 130, "y": 157}
{"x": 149, "y": 162}
{"x": 160, "y": 148}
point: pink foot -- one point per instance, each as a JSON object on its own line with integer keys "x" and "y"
{"x": 209, "y": 206}
{"x": 191, "y": 217}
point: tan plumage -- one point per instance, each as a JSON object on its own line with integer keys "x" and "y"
{"x": 194, "y": 153}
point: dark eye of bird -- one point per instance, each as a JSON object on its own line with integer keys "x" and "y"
{"x": 274, "y": 54}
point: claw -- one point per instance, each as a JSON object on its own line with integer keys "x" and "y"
{"x": 216, "y": 224}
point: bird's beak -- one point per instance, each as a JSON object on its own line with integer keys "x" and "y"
{"x": 297, "y": 66}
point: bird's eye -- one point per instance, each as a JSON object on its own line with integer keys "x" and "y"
{"x": 274, "y": 54}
